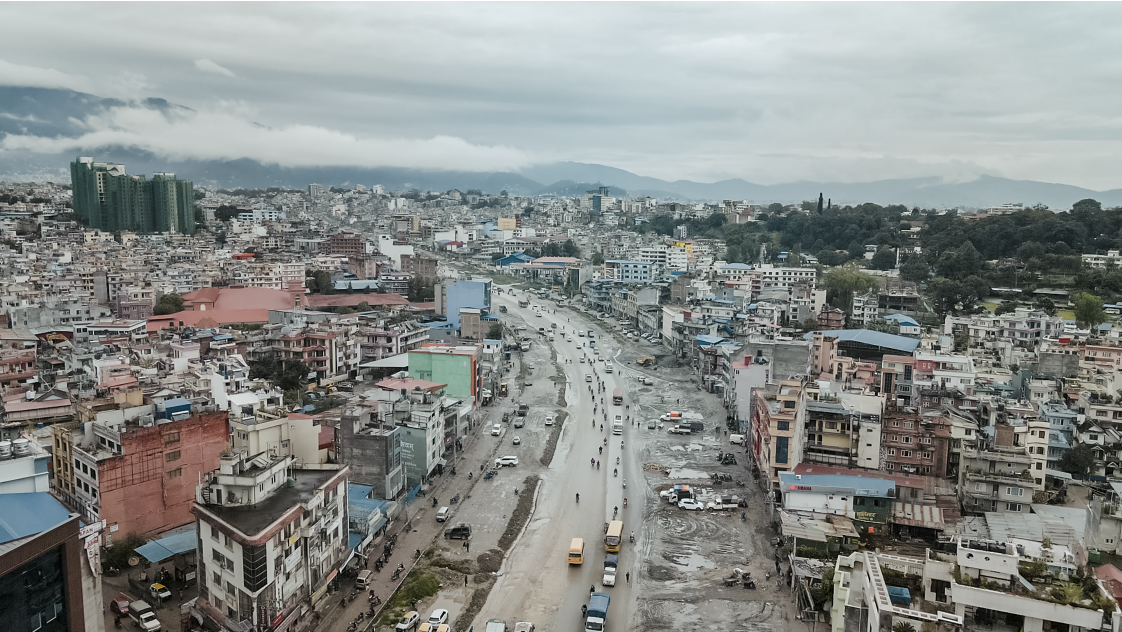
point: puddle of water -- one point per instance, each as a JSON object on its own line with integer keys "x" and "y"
{"x": 685, "y": 472}
{"x": 694, "y": 447}
{"x": 693, "y": 562}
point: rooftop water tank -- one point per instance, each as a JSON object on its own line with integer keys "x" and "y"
{"x": 21, "y": 447}
{"x": 5, "y": 450}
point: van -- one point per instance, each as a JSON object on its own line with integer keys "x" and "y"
{"x": 576, "y": 551}
{"x": 736, "y": 439}
{"x": 364, "y": 579}
{"x": 442, "y": 514}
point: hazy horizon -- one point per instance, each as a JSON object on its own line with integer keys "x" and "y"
{"x": 768, "y": 93}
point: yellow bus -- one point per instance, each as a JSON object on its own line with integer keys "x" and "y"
{"x": 614, "y": 536}
{"x": 576, "y": 551}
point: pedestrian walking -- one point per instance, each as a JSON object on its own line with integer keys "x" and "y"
{"x": 628, "y": 576}
{"x": 465, "y": 580}
{"x": 467, "y": 545}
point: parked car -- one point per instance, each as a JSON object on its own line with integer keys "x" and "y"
{"x": 504, "y": 461}
{"x": 159, "y": 593}
{"x": 120, "y": 606}
{"x": 438, "y": 616}
{"x": 690, "y": 504}
{"x": 680, "y": 430}
{"x": 441, "y": 515}
{"x": 364, "y": 578}
{"x": 458, "y": 532}
{"x": 408, "y": 622}
{"x": 523, "y": 626}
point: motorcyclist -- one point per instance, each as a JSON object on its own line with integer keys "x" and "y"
{"x": 615, "y": 472}
{"x": 578, "y": 498}
{"x": 601, "y": 449}
{"x": 617, "y": 460}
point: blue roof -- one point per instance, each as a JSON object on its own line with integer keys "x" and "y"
{"x": 358, "y": 502}
{"x": 736, "y": 266}
{"x": 177, "y": 401}
{"x": 902, "y": 319}
{"x": 902, "y": 344}
{"x": 879, "y": 487}
{"x": 157, "y": 551}
{"x": 23, "y": 515}
{"x": 706, "y": 339}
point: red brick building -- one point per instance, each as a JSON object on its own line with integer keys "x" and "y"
{"x": 142, "y": 479}
{"x": 915, "y": 443}
{"x": 347, "y": 244}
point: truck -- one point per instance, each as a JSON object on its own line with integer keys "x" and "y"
{"x": 523, "y": 303}
{"x": 676, "y": 493}
{"x": 145, "y": 618}
{"x": 645, "y": 360}
{"x": 611, "y": 562}
{"x": 523, "y": 409}
{"x": 597, "y": 614}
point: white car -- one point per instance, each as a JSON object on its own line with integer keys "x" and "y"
{"x": 438, "y": 616}
{"x": 517, "y": 441}
{"x": 496, "y": 430}
{"x": 504, "y": 461}
{"x": 690, "y": 504}
{"x": 587, "y": 377}
{"x": 619, "y": 419}
{"x": 549, "y": 419}
{"x": 582, "y": 359}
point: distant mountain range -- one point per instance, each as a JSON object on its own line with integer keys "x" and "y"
{"x": 55, "y": 113}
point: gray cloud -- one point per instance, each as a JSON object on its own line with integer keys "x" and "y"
{"x": 766, "y": 92}
{"x": 207, "y": 65}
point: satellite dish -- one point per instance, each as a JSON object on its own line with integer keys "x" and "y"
{"x": 134, "y": 560}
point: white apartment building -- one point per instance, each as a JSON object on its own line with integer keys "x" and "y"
{"x": 1112, "y": 259}
{"x": 270, "y": 536}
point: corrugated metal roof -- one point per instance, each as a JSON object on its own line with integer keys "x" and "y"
{"x": 926, "y": 516}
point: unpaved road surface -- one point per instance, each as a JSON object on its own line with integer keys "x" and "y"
{"x": 679, "y": 557}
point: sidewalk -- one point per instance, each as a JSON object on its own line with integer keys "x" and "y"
{"x": 421, "y": 535}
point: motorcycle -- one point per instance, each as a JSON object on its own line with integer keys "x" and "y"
{"x": 615, "y": 472}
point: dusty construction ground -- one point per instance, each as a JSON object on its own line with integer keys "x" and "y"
{"x": 686, "y": 554}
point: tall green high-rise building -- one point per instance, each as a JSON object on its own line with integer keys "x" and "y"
{"x": 111, "y": 200}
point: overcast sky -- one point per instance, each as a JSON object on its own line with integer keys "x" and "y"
{"x": 766, "y": 92}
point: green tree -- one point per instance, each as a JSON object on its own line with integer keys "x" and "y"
{"x": 1006, "y": 307}
{"x": 168, "y": 304}
{"x": 884, "y": 259}
{"x": 597, "y": 259}
{"x": 319, "y": 282}
{"x": 960, "y": 262}
{"x": 951, "y": 297}
{"x": 1089, "y": 311}
{"x": 293, "y": 376}
{"x": 1045, "y": 305}
{"x": 495, "y": 332}
{"x": 842, "y": 283}
{"x": 915, "y": 268}
{"x": 1078, "y": 461}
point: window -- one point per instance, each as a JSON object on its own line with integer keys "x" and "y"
{"x": 969, "y": 431}
{"x": 979, "y": 487}
{"x": 788, "y": 404}
{"x": 926, "y": 455}
{"x": 1014, "y": 491}
{"x": 176, "y": 473}
{"x": 908, "y": 425}
{"x": 895, "y": 423}
{"x": 216, "y": 578}
{"x": 905, "y": 453}
{"x": 782, "y": 425}
{"x": 171, "y": 456}
{"x": 927, "y": 440}
{"x": 907, "y": 439}
{"x": 781, "y": 449}
{"x": 1012, "y": 506}
{"x": 892, "y": 452}
{"x": 171, "y": 437}
{"x": 214, "y": 533}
